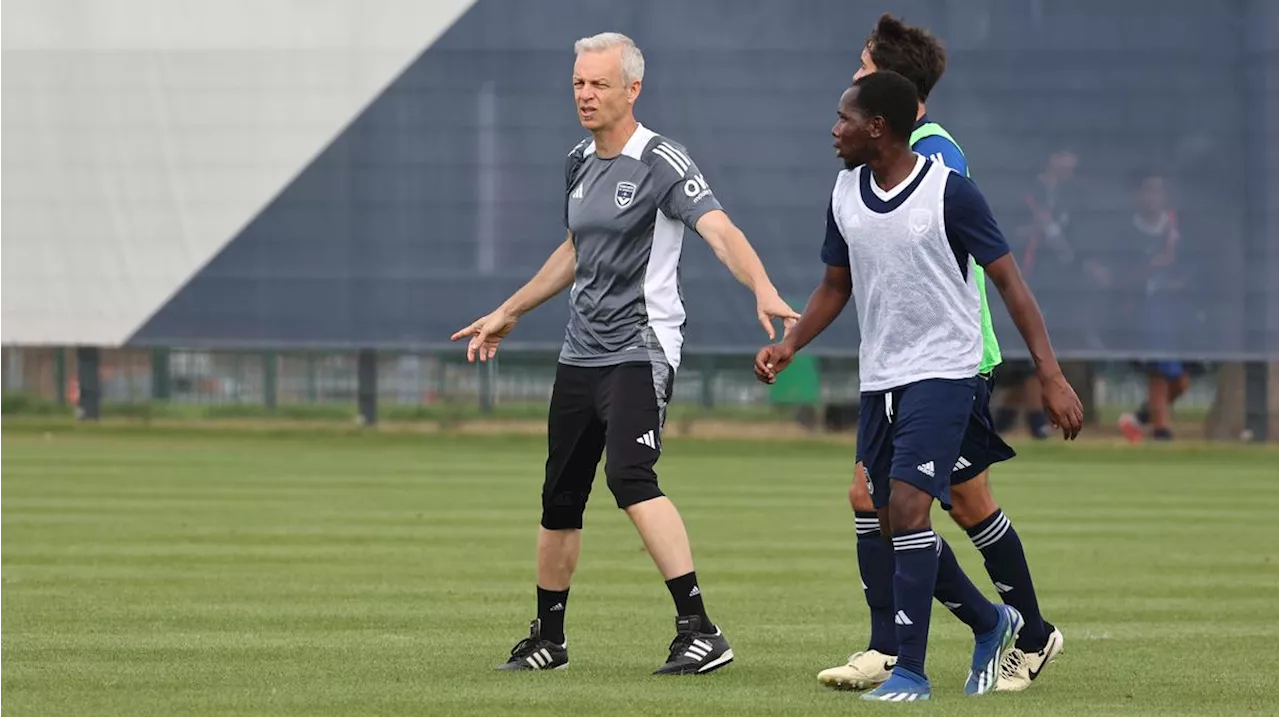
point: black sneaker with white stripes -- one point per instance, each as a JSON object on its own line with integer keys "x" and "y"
{"x": 695, "y": 652}
{"x": 535, "y": 653}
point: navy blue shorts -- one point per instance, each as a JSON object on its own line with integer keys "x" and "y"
{"x": 931, "y": 434}
{"x": 1171, "y": 370}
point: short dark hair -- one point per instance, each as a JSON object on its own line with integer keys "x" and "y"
{"x": 891, "y": 96}
{"x": 912, "y": 52}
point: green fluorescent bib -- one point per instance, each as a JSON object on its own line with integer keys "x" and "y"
{"x": 990, "y": 346}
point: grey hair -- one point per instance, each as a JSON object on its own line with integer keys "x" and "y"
{"x": 632, "y": 59}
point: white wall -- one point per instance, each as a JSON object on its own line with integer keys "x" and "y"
{"x": 141, "y": 135}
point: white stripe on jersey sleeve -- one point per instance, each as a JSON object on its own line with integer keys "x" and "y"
{"x": 684, "y": 159}
{"x": 666, "y": 154}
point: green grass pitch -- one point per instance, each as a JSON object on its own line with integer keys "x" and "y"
{"x": 219, "y": 573}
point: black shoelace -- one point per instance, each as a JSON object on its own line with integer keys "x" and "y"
{"x": 681, "y": 644}
{"x": 524, "y": 648}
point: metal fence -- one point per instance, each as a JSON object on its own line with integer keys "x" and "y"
{"x": 268, "y": 379}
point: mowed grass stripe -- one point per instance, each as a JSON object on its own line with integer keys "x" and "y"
{"x": 192, "y": 574}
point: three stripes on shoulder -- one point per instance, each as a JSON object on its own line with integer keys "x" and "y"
{"x": 674, "y": 157}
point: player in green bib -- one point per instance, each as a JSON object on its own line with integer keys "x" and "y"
{"x": 931, "y": 140}
{"x": 916, "y": 54}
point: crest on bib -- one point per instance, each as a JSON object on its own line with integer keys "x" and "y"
{"x": 920, "y": 220}
{"x": 623, "y": 194}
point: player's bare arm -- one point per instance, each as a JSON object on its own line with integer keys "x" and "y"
{"x": 487, "y": 332}
{"x": 1060, "y": 400}
{"x": 825, "y": 304}
{"x": 732, "y": 248}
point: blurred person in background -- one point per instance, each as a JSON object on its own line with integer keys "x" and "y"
{"x": 1148, "y": 253}
{"x": 1050, "y": 259}
{"x": 1051, "y": 204}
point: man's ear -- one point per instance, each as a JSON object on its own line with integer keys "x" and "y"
{"x": 876, "y": 127}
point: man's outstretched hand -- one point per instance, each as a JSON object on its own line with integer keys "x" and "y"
{"x": 770, "y": 306}
{"x": 486, "y": 333}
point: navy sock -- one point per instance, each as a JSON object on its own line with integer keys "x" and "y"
{"x": 875, "y": 564}
{"x": 915, "y": 555}
{"x": 1143, "y": 414}
{"x": 688, "y": 599}
{"x": 958, "y": 593}
{"x": 551, "y": 605}
{"x": 1007, "y": 565}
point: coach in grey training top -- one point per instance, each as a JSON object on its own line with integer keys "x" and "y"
{"x": 627, "y": 216}
{"x": 629, "y": 194}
